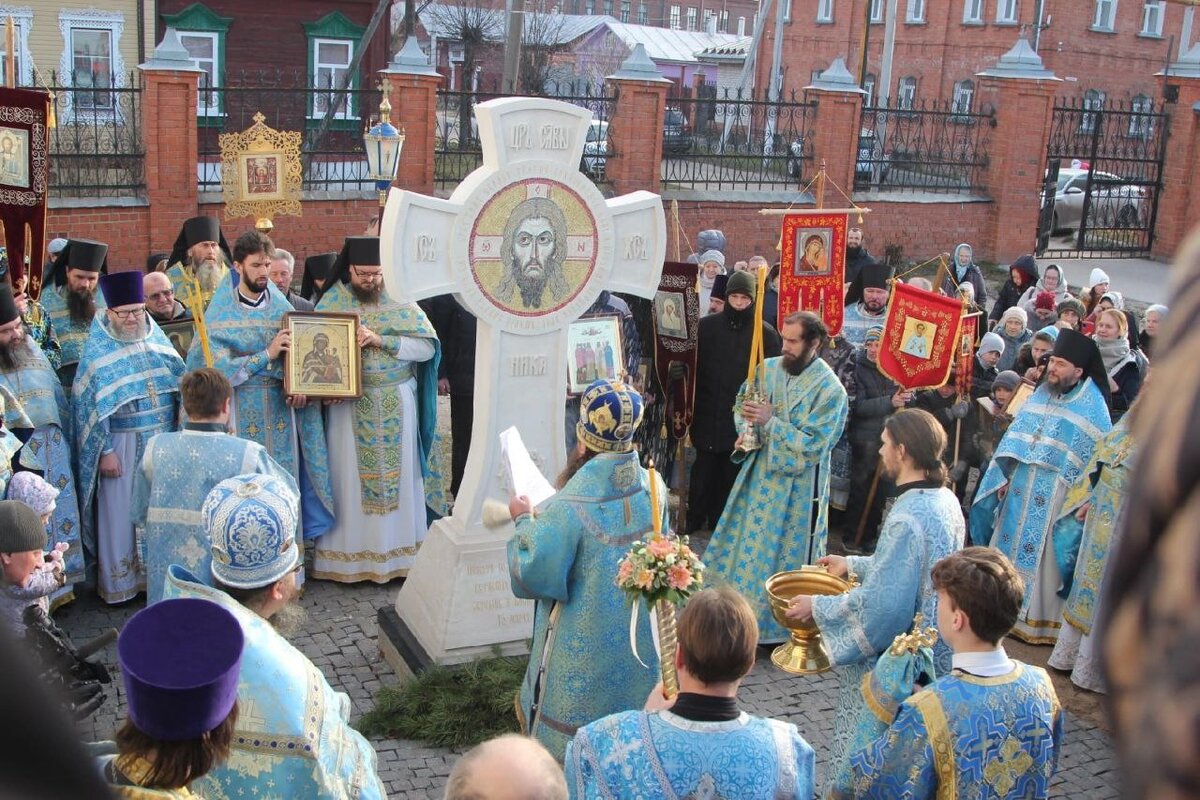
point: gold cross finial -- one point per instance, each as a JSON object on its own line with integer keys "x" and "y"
{"x": 912, "y": 642}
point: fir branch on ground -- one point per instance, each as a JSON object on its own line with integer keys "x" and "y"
{"x": 455, "y": 707}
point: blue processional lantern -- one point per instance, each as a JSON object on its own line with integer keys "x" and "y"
{"x": 383, "y": 142}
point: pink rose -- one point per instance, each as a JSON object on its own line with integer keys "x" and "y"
{"x": 679, "y": 577}
{"x": 661, "y": 548}
{"x": 624, "y": 572}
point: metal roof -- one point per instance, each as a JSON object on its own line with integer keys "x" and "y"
{"x": 662, "y": 44}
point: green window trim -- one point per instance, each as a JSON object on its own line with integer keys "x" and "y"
{"x": 334, "y": 25}
{"x": 199, "y": 18}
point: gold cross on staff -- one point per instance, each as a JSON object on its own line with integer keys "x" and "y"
{"x": 194, "y": 300}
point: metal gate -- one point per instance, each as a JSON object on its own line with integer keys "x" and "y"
{"x": 1099, "y": 196}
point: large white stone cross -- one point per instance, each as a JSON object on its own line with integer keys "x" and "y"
{"x": 526, "y": 243}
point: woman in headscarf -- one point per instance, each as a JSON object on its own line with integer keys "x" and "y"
{"x": 963, "y": 270}
{"x": 1155, "y": 316}
{"x": 1021, "y": 275}
{"x": 1124, "y": 376}
{"x": 1051, "y": 281}
{"x": 1014, "y": 330}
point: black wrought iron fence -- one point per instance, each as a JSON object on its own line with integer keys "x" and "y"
{"x": 96, "y": 147}
{"x": 457, "y": 151}
{"x": 923, "y": 146}
{"x": 332, "y": 152}
{"x": 735, "y": 140}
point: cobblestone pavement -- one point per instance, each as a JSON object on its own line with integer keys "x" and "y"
{"x": 340, "y": 639}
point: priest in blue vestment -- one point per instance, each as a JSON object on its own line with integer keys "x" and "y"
{"x": 71, "y": 300}
{"x": 177, "y": 472}
{"x": 35, "y": 399}
{"x": 581, "y": 664}
{"x": 699, "y": 744}
{"x": 777, "y": 516}
{"x": 992, "y": 727}
{"x": 293, "y": 737}
{"x": 126, "y": 391}
{"x": 924, "y": 524}
{"x": 1040, "y": 458}
{"x": 248, "y": 345}
{"x": 380, "y": 444}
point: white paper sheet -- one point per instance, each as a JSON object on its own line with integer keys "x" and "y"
{"x": 523, "y": 474}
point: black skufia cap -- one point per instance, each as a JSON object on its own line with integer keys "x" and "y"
{"x": 8, "y": 306}
{"x": 195, "y": 230}
{"x": 82, "y": 254}
{"x": 362, "y": 250}
{"x": 1083, "y": 352}
{"x": 316, "y": 268}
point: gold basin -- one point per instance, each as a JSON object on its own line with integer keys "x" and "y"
{"x": 804, "y": 653}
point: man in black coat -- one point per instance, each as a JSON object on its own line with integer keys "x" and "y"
{"x": 722, "y": 360}
{"x": 455, "y": 328}
{"x": 856, "y": 255}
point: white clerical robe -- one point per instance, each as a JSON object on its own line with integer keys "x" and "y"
{"x": 374, "y": 547}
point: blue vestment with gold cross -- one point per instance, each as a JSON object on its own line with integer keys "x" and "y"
{"x": 1040, "y": 458}
{"x": 293, "y": 737}
{"x": 968, "y": 737}
{"x": 776, "y": 517}
{"x": 238, "y": 337}
{"x": 667, "y": 757}
{"x": 581, "y": 666}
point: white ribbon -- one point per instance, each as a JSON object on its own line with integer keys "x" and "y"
{"x": 653, "y": 612}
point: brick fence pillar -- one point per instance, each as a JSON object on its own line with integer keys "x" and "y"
{"x": 1179, "y": 198}
{"x": 635, "y": 131}
{"x": 414, "y": 86}
{"x": 835, "y": 131}
{"x": 1022, "y": 93}
{"x": 169, "y": 96}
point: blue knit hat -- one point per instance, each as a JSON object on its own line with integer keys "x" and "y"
{"x": 609, "y": 414}
{"x": 252, "y": 522}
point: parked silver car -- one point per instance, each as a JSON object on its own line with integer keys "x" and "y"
{"x": 595, "y": 149}
{"x": 1116, "y": 203}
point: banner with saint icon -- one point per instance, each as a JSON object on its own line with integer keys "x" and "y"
{"x": 24, "y": 178}
{"x": 921, "y": 341}
{"x": 675, "y": 315}
{"x": 966, "y": 354}
{"x": 812, "y": 265}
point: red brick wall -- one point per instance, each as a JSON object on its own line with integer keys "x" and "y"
{"x": 944, "y": 50}
{"x": 126, "y": 231}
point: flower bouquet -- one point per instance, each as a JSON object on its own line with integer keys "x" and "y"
{"x": 664, "y": 572}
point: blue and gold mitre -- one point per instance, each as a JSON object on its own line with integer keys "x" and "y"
{"x": 251, "y": 520}
{"x": 609, "y": 413}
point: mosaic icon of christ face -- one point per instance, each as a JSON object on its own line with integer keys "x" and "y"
{"x": 535, "y": 241}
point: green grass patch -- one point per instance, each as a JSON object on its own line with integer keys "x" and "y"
{"x": 455, "y": 707}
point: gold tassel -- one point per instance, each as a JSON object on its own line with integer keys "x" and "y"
{"x": 51, "y": 117}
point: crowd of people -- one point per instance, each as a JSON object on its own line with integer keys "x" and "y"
{"x": 198, "y": 472}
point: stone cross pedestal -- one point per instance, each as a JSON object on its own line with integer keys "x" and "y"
{"x": 526, "y": 243}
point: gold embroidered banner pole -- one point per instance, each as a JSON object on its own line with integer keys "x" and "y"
{"x": 10, "y": 48}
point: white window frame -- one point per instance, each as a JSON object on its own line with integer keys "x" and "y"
{"x": 1140, "y": 127}
{"x": 964, "y": 97}
{"x": 972, "y": 12}
{"x": 207, "y": 109}
{"x": 825, "y": 11}
{"x": 608, "y": 8}
{"x": 1155, "y": 10}
{"x": 315, "y": 42}
{"x": 90, "y": 19}
{"x": 22, "y": 17}
{"x": 916, "y": 12}
{"x": 787, "y": 10}
{"x": 741, "y": 28}
{"x": 1007, "y": 11}
{"x": 723, "y": 21}
{"x": 869, "y": 87}
{"x": 1093, "y": 99}
{"x": 692, "y": 17}
{"x": 876, "y": 11}
{"x": 675, "y": 18}
{"x": 626, "y": 10}
{"x": 642, "y": 15}
{"x": 1105, "y": 18}
{"x": 906, "y": 93}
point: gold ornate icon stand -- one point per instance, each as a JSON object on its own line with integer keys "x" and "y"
{"x": 261, "y": 174}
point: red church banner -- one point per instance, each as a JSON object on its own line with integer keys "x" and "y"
{"x": 676, "y": 316}
{"x": 812, "y": 266}
{"x": 966, "y": 354}
{"x": 920, "y": 337}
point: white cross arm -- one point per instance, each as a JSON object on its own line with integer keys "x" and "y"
{"x": 516, "y": 129}
{"x": 415, "y": 245}
{"x": 640, "y": 243}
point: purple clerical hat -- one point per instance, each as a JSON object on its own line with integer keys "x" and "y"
{"x": 122, "y": 289}
{"x": 180, "y": 660}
